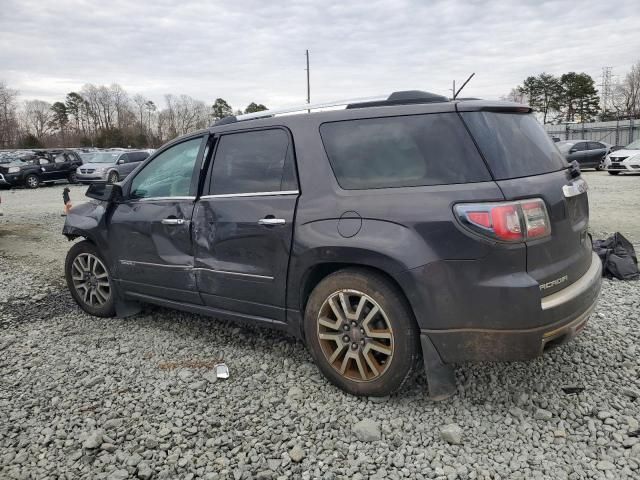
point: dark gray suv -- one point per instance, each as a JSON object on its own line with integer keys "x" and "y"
{"x": 385, "y": 232}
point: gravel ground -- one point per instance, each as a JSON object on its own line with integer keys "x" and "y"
{"x": 83, "y": 397}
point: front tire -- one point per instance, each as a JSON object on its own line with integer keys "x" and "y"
{"x": 32, "y": 181}
{"x": 89, "y": 280}
{"x": 72, "y": 178}
{"x": 112, "y": 177}
{"x": 362, "y": 333}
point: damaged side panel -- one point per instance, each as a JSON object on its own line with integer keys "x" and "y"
{"x": 88, "y": 220}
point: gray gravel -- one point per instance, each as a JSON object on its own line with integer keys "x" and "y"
{"x": 83, "y": 397}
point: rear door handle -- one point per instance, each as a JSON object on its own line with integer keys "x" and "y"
{"x": 173, "y": 221}
{"x": 271, "y": 221}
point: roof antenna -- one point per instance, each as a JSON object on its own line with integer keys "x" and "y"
{"x": 455, "y": 94}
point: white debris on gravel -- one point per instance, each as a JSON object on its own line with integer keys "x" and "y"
{"x": 84, "y": 397}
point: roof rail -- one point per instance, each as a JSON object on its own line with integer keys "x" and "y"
{"x": 396, "y": 98}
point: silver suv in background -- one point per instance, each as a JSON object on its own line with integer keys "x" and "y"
{"x": 110, "y": 166}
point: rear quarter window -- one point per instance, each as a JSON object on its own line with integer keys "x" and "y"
{"x": 514, "y": 144}
{"x": 406, "y": 151}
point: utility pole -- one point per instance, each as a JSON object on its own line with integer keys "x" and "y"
{"x": 308, "y": 82}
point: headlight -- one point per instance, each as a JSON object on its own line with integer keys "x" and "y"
{"x": 99, "y": 169}
{"x": 13, "y": 170}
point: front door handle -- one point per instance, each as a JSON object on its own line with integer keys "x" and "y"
{"x": 271, "y": 221}
{"x": 173, "y": 221}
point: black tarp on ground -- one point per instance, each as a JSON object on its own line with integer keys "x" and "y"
{"x": 618, "y": 257}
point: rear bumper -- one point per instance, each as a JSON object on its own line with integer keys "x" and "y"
{"x": 565, "y": 312}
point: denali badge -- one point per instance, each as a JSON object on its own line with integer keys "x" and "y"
{"x": 553, "y": 283}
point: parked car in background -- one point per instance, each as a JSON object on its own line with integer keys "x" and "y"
{"x": 347, "y": 229}
{"x": 40, "y": 167}
{"x": 587, "y": 153}
{"x": 110, "y": 166}
{"x": 626, "y": 159}
{"x": 86, "y": 156}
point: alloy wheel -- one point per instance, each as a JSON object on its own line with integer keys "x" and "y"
{"x": 113, "y": 177}
{"x": 32, "y": 182}
{"x": 91, "y": 280}
{"x": 355, "y": 335}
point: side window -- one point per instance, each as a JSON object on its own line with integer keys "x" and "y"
{"x": 253, "y": 162}
{"x": 43, "y": 161}
{"x": 139, "y": 156}
{"x": 60, "y": 158}
{"x": 169, "y": 174}
{"x": 403, "y": 151}
{"x": 580, "y": 146}
{"x": 124, "y": 158}
{"x": 595, "y": 146}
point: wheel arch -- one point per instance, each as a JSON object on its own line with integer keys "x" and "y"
{"x": 303, "y": 279}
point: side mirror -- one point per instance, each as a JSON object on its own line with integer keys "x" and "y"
{"x": 573, "y": 150}
{"x": 121, "y": 161}
{"x": 105, "y": 192}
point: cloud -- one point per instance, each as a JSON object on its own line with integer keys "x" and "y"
{"x": 252, "y": 50}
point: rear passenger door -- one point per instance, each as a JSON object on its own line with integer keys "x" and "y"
{"x": 48, "y": 169}
{"x": 133, "y": 160}
{"x": 597, "y": 152}
{"x": 243, "y": 223}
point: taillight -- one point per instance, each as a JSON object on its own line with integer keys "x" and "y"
{"x": 506, "y": 221}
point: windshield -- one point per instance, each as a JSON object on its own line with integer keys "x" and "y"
{"x": 105, "y": 157}
{"x": 633, "y": 145}
{"x": 514, "y": 144}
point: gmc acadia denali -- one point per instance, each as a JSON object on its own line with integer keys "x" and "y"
{"x": 381, "y": 233}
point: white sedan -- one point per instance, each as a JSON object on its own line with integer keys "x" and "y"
{"x": 625, "y": 160}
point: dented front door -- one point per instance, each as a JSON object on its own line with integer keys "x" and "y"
{"x": 150, "y": 229}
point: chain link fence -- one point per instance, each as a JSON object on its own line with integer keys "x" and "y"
{"x": 617, "y": 132}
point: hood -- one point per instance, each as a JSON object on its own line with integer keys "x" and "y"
{"x": 14, "y": 163}
{"x": 624, "y": 153}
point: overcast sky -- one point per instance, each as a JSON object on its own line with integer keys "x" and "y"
{"x": 253, "y": 50}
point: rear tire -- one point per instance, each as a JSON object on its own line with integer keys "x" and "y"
{"x": 113, "y": 177}
{"x": 31, "y": 181}
{"x": 613, "y": 173}
{"x": 89, "y": 280}
{"x": 362, "y": 333}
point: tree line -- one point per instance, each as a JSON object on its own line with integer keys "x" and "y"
{"x": 104, "y": 116}
{"x": 573, "y": 97}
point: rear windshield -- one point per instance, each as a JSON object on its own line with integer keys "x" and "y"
{"x": 405, "y": 151}
{"x": 514, "y": 144}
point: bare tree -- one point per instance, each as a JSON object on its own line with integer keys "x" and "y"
{"x": 183, "y": 114}
{"x": 141, "y": 105}
{"x": 8, "y": 118}
{"x": 626, "y": 96}
{"x": 121, "y": 104}
{"x": 37, "y": 117}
